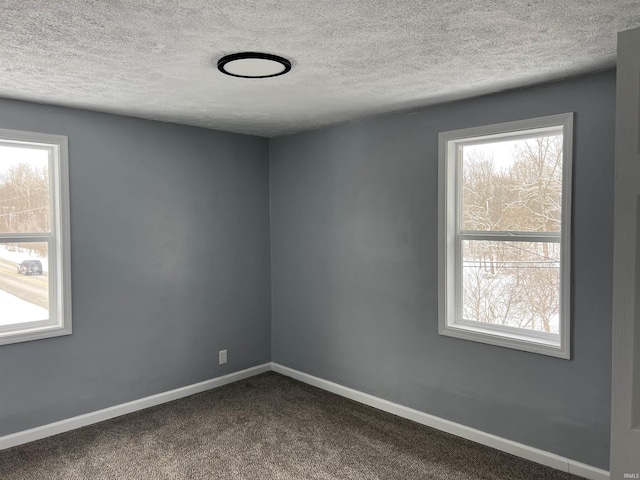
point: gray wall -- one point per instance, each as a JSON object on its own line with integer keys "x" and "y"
{"x": 170, "y": 263}
{"x": 354, "y": 272}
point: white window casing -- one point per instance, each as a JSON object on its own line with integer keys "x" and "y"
{"x": 451, "y": 237}
{"x": 57, "y": 240}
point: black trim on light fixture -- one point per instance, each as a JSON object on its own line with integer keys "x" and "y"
{"x": 263, "y": 56}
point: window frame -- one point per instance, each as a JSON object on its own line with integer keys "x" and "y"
{"x": 450, "y": 238}
{"x": 58, "y": 240}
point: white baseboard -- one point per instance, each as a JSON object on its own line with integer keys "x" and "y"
{"x": 518, "y": 449}
{"x": 514, "y": 448}
{"x": 98, "y": 416}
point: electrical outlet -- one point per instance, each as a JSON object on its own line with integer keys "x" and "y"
{"x": 222, "y": 357}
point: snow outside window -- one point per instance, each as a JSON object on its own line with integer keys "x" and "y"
{"x": 504, "y": 234}
{"x": 35, "y": 283}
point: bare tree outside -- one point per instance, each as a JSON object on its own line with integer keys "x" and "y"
{"x": 24, "y": 196}
{"x": 512, "y": 186}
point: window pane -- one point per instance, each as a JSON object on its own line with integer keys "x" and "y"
{"x": 24, "y": 283}
{"x": 513, "y": 185}
{"x": 516, "y": 284}
{"x": 24, "y": 190}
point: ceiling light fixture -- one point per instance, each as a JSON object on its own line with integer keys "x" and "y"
{"x": 253, "y": 65}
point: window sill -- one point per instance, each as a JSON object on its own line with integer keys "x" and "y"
{"x": 507, "y": 338}
{"x": 34, "y": 332}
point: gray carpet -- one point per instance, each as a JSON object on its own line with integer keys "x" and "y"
{"x": 265, "y": 427}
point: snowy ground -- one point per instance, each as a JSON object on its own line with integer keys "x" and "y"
{"x": 12, "y": 308}
{"x": 19, "y": 256}
{"x": 495, "y": 290}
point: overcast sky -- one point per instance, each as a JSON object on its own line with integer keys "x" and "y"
{"x": 503, "y": 152}
{"x": 11, "y": 156}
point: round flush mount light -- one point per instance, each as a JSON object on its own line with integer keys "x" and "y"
{"x": 253, "y": 65}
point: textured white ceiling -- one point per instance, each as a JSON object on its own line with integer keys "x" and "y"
{"x": 351, "y": 58}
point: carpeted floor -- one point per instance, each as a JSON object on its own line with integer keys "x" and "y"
{"x": 265, "y": 427}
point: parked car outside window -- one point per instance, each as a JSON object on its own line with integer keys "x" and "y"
{"x": 30, "y": 267}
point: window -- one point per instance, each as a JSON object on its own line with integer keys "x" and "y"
{"x": 504, "y": 234}
{"x": 35, "y": 283}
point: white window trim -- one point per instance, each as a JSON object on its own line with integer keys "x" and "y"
{"x": 448, "y": 212}
{"x": 59, "y": 242}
